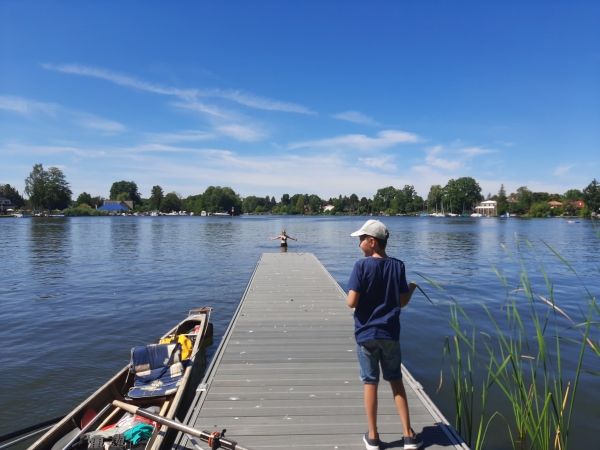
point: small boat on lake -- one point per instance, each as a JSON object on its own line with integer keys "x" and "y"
{"x": 156, "y": 377}
{"x": 222, "y": 214}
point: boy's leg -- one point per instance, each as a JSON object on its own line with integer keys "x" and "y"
{"x": 391, "y": 364}
{"x": 402, "y": 406}
{"x": 368, "y": 362}
{"x": 371, "y": 407}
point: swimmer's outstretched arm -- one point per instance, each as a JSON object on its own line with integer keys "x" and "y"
{"x": 278, "y": 237}
{"x": 294, "y": 239}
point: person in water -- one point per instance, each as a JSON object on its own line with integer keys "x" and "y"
{"x": 284, "y": 237}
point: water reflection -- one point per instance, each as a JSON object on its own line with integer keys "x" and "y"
{"x": 49, "y": 255}
{"x": 124, "y": 243}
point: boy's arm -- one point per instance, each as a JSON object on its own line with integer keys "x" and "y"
{"x": 404, "y": 298}
{"x": 353, "y": 297}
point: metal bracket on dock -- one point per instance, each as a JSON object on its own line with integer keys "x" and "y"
{"x": 202, "y": 387}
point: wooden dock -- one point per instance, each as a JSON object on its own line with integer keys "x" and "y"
{"x": 286, "y": 373}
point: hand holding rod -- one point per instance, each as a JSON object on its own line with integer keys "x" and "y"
{"x": 205, "y": 436}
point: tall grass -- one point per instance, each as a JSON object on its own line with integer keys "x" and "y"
{"x": 520, "y": 354}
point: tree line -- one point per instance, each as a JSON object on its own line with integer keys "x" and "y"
{"x": 49, "y": 189}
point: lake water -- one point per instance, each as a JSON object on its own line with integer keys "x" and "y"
{"x": 78, "y": 293}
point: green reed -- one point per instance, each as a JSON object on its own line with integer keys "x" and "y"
{"x": 521, "y": 356}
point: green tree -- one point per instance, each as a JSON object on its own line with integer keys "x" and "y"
{"x": 123, "y": 196}
{"x": 251, "y": 203}
{"x": 215, "y": 199}
{"x": 539, "y": 197}
{"x": 435, "y": 197}
{"x": 540, "y": 209}
{"x": 364, "y": 205}
{"x": 128, "y": 187}
{"x": 402, "y": 201}
{"x": 171, "y": 202}
{"x": 300, "y": 204}
{"x": 502, "y": 200}
{"x": 156, "y": 197}
{"x": 383, "y": 199}
{"x": 58, "y": 192}
{"x": 524, "y": 199}
{"x": 6, "y": 190}
{"x": 591, "y": 197}
{"x": 285, "y": 199}
{"x": 97, "y": 201}
{"x": 84, "y": 197}
{"x": 338, "y": 206}
{"x": 315, "y": 204}
{"x": 417, "y": 204}
{"x": 462, "y": 193}
{"x": 35, "y": 186}
{"x": 572, "y": 195}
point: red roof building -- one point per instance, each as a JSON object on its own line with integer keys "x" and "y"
{"x": 578, "y": 204}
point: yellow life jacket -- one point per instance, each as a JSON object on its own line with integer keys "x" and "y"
{"x": 186, "y": 345}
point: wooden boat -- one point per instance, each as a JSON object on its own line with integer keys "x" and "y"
{"x": 98, "y": 406}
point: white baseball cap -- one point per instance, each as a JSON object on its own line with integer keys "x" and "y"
{"x": 373, "y": 228}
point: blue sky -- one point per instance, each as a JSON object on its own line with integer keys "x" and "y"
{"x": 274, "y": 97}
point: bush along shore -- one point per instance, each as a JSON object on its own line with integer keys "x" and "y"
{"x": 50, "y": 190}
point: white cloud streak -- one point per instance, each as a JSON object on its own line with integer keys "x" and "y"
{"x": 355, "y": 117}
{"x": 560, "y": 171}
{"x": 384, "y": 139}
{"x": 433, "y": 159}
{"x": 183, "y": 136}
{"x": 255, "y": 101}
{"x": 188, "y": 95}
{"x": 121, "y": 79}
{"x": 241, "y": 132}
{"x": 383, "y": 162}
{"x": 26, "y": 107}
{"x": 476, "y": 151}
{"x": 97, "y": 123}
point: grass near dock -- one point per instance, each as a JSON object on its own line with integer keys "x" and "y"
{"x": 519, "y": 353}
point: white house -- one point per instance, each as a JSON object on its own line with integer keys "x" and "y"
{"x": 488, "y": 208}
{"x": 328, "y": 208}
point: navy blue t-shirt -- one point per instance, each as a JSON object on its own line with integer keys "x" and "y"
{"x": 379, "y": 281}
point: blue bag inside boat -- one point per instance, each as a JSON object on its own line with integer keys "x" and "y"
{"x": 158, "y": 370}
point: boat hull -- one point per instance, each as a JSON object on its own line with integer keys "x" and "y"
{"x": 118, "y": 386}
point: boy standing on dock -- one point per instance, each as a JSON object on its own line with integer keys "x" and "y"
{"x": 377, "y": 291}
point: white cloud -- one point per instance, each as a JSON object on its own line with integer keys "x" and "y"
{"x": 356, "y": 117}
{"x": 562, "y": 170}
{"x": 183, "y": 136}
{"x": 97, "y": 123}
{"x": 198, "y": 106}
{"x": 121, "y": 79}
{"x": 476, "y": 151}
{"x": 190, "y": 96}
{"x": 241, "y": 132}
{"x": 24, "y": 106}
{"x": 46, "y": 150}
{"x": 383, "y": 163}
{"x": 433, "y": 159}
{"x": 385, "y": 139}
{"x": 255, "y": 101}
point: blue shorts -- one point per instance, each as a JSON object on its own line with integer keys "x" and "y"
{"x": 379, "y": 351}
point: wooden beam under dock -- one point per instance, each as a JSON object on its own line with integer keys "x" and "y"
{"x": 286, "y": 373}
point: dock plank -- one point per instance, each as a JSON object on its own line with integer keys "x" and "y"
{"x": 286, "y": 374}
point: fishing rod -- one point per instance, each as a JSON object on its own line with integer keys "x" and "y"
{"x": 215, "y": 439}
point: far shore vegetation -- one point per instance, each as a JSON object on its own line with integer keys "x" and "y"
{"x": 48, "y": 192}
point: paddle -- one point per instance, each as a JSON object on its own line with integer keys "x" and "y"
{"x": 215, "y": 439}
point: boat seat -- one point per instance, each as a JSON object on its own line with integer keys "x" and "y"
{"x": 158, "y": 370}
